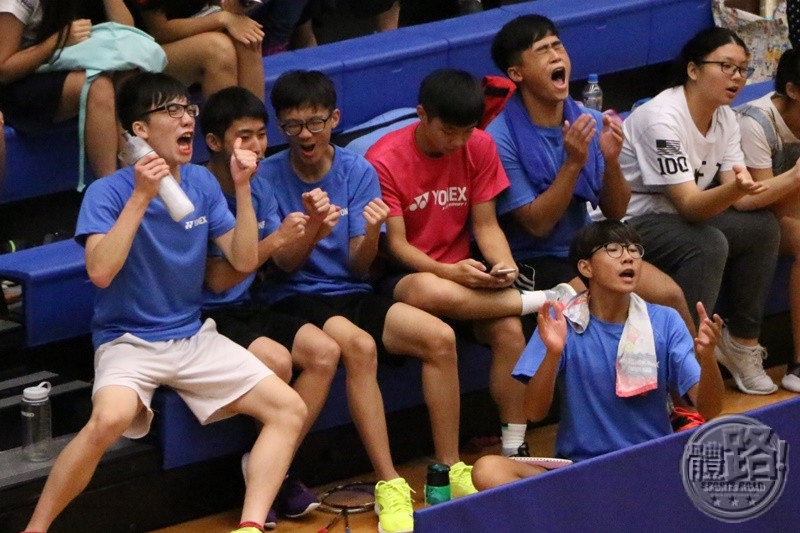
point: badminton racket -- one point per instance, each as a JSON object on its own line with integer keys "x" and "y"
{"x": 548, "y": 463}
{"x": 356, "y": 497}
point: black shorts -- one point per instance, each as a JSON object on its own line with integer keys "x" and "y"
{"x": 30, "y": 104}
{"x": 549, "y": 271}
{"x": 364, "y": 309}
{"x": 245, "y": 323}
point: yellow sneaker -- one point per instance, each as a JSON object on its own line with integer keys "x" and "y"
{"x": 247, "y": 530}
{"x": 461, "y": 480}
{"x": 393, "y": 505}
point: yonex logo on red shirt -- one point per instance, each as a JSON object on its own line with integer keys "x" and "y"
{"x": 445, "y": 198}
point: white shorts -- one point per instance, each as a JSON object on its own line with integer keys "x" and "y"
{"x": 209, "y": 371}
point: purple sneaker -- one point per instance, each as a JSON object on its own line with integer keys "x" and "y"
{"x": 272, "y": 519}
{"x": 295, "y": 499}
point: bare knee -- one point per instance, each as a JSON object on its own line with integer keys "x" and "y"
{"x": 105, "y": 426}
{"x": 485, "y": 469}
{"x": 274, "y": 356}
{"x": 506, "y": 333}
{"x": 101, "y": 93}
{"x": 318, "y": 353}
{"x": 441, "y": 343}
{"x": 220, "y": 53}
{"x": 425, "y": 291}
{"x": 361, "y": 355}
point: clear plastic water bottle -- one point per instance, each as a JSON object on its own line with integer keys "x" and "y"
{"x": 593, "y": 94}
{"x": 36, "y": 423}
{"x": 178, "y": 204}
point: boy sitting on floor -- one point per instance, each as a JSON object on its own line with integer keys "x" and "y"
{"x": 615, "y": 362}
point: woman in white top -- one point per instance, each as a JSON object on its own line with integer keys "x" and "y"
{"x": 32, "y": 32}
{"x": 771, "y": 144}
{"x": 683, "y": 160}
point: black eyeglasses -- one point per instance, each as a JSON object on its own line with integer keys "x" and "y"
{"x": 729, "y": 69}
{"x": 313, "y": 125}
{"x": 615, "y": 249}
{"x": 176, "y": 110}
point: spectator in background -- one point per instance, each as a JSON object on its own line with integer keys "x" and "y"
{"x": 215, "y": 47}
{"x": 770, "y": 129}
{"x": 440, "y": 176}
{"x": 322, "y": 277}
{"x": 385, "y": 13}
{"x": 278, "y": 18}
{"x": 575, "y": 161}
{"x": 33, "y": 32}
{"x": 675, "y": 146}
{"x": 279, "y": 341}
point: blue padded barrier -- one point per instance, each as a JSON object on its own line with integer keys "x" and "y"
{"x": 600, "y": 37}
{"x": 637, "y": 489}
{"x": 57, "y": 296}
{"x": 40, "y": 164}
{"x": 469, "y": 39}
{"x": 383, "y": 71}
{"x": 673, "y": 23}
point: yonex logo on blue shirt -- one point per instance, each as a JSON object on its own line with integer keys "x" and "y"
{"x": 196, "y": 222}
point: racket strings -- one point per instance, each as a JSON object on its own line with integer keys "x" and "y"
{"x": 353, "y": 497}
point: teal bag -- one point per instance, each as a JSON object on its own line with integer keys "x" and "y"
{"x": 111, "y": 47}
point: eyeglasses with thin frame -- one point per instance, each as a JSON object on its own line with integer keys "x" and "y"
{"x": 615, "y": 249}
{"x": 729, "y": 69}
{"x": 313, "y": 125}
{"x": 175, "y": 110}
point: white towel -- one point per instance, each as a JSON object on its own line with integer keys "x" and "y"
{"x": 637, "y": 365}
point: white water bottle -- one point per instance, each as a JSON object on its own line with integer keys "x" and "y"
{"x": 178, "y": 204}
{"x": 593, "y": 94}
{"x": 36, "y": 423}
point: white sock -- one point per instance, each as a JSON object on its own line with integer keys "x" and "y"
{"x": 512, "y": 436}
{"x": 532, "y": 301}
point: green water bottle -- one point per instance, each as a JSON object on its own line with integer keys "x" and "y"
{"x": 437, "y": 486}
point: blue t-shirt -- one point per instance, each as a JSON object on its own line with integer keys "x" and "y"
{"x": 522, "y": 192}
{"x": 156, "y": 295}
{"x": 351, "y": 183}
{"x": 268, "y": 221}
{"x": 593, "y": 419}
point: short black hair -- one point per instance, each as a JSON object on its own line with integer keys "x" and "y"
{"x": 144, "y": 91}
{"x": 788, "y": 71}
{"x": 700, "y": 47}
{"x": 225, "y": 107}
{"x": 303, "y": 88}
{"x": 453, "y": 96}
{"x": 597, "y": 234}
{"x": 517, "y": 36}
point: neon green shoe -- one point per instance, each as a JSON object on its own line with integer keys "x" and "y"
{"x": 461, "y": 480}
{"x": 394, "y": 507}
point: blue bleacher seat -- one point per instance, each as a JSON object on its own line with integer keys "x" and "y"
{"x": 57, "y": 296}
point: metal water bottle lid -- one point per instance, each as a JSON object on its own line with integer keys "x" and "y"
{"x": 37, "y": 393}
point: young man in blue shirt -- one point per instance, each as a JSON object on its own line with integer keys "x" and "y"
{"x": 615, "y": 358}
{"x": 280, "y": 341}
{"x": 323, "y": 278}
{"x": 146, "y": 328}
{"x": 558, "y": 156}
